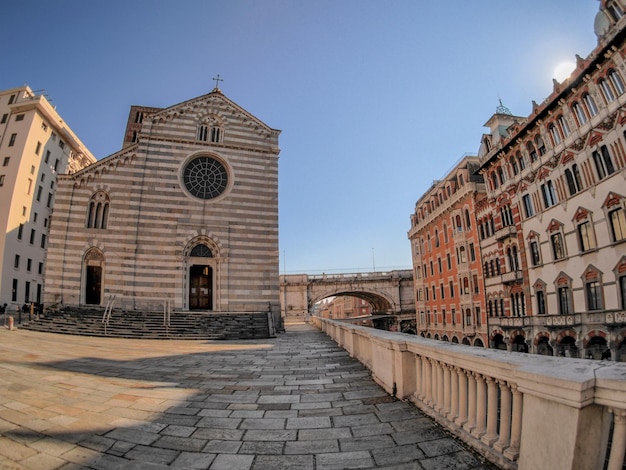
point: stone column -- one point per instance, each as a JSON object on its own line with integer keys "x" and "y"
{"x": 505, "y": 417}
{"x": 481, "y": 406}
{"x": 427, "y": 381}
{"x": 492, "y": 412}
{"x": 471, "y": 402}
{"x": 440, "y": 388}
{"x": 419, "y": 386}
{"x": 433, "y": 384}
{"x": 512, "y": 453}
{"x": 618, "y": 445}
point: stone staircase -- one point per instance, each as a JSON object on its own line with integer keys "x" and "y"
{"x": 150, "y": 325}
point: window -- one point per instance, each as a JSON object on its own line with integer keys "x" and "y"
{"x": 462, "y": 255}
{"x": 5, "y": 116}
{"x": 520, "y": 160}
{"x": 590, "y": 104}
{"x": 586, "y": 237}
{"x": 437, "y": 239}
{"x": 616, "y": 81}
{"x": 215, "y": 134}
{"x": 439, "y": 265}
{"x": 44, "y": 126}
{"x": 39, "y": 190}
{"x": 43, "y": 240}
{"x": 535, "y": 255}
{"x": 564, "y": 126}
{"x": 603, "y": 162}
{"x": 500, "y": 172}
{"x": 617, "y": 224}
{"x": 541, "y": 302}
{"x": 20, "y": 231}
{"x": 47, "y": 158}
{"x": 449, "y": 261}
{"x": 443, "y": 295}
{"x": 558, "y": 250}
{"x": 12, "y": 99}
{"x": 593, "y": 292}
{"x": 472, "y": 252}
{"x": 514, "y": 166}
{"x": 511, "y": 254}
{"x": 202, "y": 134}
{"x": 56, "y": 165}
{"x": 29, "y": 264}
{"x": 38, "y": 148}
{"x": 622, "y": 288}
{"x": 532, "y": 153}
{"x": 139, "y": 117}
{"x": 5, "y": 162}
{"x": 475, "y": 282}
{"x": 97, "y": 211}
{"x": 564, "y": 297}
{"x": 607, "y": 92}
{"x": 506, "y": 214}
{"x": 451, "y": 289}
{"x": 61, "y": 144}
{"x": 19, "y": 117}
{"x": 14, "y": 291}
{"x": 12, "y": 140}
{"x": 574, "y": 181}
{"x": 579, "y": 112}
{"x": 16, "y": 261}
{"x": 468, "y": 220}
{"x": 40, "y": 268}
{"x": 549, "y": 195}
{"x": 32, "y": 236}
{"x": 541, "y": 147}
{"x": 2, "y": 180}
{"x": 528, "y": 205}
{"x": 554, "y": 132}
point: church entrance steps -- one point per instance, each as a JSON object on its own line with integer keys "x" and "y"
{"x": 150, "y": 325}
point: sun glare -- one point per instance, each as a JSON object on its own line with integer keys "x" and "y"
{"x": 563, "y": 70}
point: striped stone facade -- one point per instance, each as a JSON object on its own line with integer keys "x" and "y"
{"x": 127, "y": 226}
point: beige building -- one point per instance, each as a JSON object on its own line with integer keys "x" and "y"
{"x": 36, "y": 146}
{"x": 186, "y": 212}
{"x": 449, "y": 290}
{"x": 556, "y": 189}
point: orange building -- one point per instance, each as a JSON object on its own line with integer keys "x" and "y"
{"x": 449, "y": 289}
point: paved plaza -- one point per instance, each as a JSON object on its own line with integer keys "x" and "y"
{"x": 292, "y": 402}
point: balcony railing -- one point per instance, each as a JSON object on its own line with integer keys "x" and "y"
{"x": 497, "y": 401}
{"x": 512, "y": 276}
{"x": 508, "y": 231}
{"x": 608, "y": 318}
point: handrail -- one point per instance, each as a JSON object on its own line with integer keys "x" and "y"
{"x": 108, "y": 310}
{"x": 497, "y": 401}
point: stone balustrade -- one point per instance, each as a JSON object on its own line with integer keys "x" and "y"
{"x": 520, "y": 411}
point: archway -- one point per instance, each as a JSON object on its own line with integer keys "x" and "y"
{"x": 597, "y": 348}
{"x": 201, "y": 274}
{"x": 498, "y": 342}
{"x": 445, "y": 338}
{"x": 466, "y": 342}
{"x": 455, "y": 340}
{"x": 567, "y": 347}
{"x": 519, "y": 344}
{"x": 93, "y": 282}
{"x": 543, "y": 346}
{"x": 479, "y": 343}
{"x": 620, "y": 352}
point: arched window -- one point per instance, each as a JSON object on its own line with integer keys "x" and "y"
{"x": 201, "y": 251}
{"x": 532, "y": 152}
{"x": 555, "y": 134}
{"x": 579, "y": 112}
{"x": 513, "y": 164}
{"x": 468, "y": 221}
{"x": 590, "y": 104}
{"x": 541, "y": 147}
{"x": 607, "y": 91}
{"x": 501, "y": 175}
{"x": 617, "y": 82}
{"x": 98, "y": 211}
{"x": 564, "y": 126}
{"x": 494, "y": 180}
{"x": 520, "y": 160}
{"x": 574, "y": 181}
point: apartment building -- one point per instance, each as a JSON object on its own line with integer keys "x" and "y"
{"x": 449, "y": 289}
{"x": 36, "y": 145}
{"x": 554, "y": 219}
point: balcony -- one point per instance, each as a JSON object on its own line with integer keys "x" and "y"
{"x": 508, "y": 323}
{"x": 506, "y": 232}
{"x": 513, "y": 276}
{"x": 600, "y": 318}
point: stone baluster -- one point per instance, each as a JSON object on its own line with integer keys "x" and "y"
{"x": 427, "y": 381}
{"x": 454, "y": 394}
{"x": 462, "y": 377}
{"x": 481, "y": 406}
{"x": 505, "y": 417}
{"x": 512, "y": 453}
{"x": 440, "y": 387}
{"x": 433, "y": 384}
{"x": 492, "y": 412}
{"x": 419, "y": 386}
{"x": 618, "y": 445}
{"x": 471, "y": 402}
{"x": 446, "y": 389}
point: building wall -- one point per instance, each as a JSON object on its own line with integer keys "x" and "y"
{"x": 450, "y": 303}
{"x": 42, "y": 148}
{"x": 154, "y": 223}
{"x": 562, "y": 172}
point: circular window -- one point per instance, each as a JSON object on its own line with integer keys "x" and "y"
{"x": 205, "y": 177}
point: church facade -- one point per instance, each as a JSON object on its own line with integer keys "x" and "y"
{"x": 185, "y": 214}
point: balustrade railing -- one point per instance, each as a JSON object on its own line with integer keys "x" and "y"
{"x": 502, "y": 403}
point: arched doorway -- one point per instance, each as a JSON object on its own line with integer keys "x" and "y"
{"x": 519, "y": 344}
{"x": 455, "y": 340}
{"x": 466, "y": 342}
{"x": 479, "y": 343}
{"x": 598, "y": 349}
{"x": 543, "y": 346}
{"x": 445, "y": 338}
{"x": 93, "y": 281}
{"x": 201, "y": 277}
{"x": 498, "y": 342}
{"x": 567, "y": 347}
{"x": 620, "y": 353}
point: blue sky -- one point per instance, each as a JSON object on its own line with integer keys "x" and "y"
{"x": 375, "y": 99}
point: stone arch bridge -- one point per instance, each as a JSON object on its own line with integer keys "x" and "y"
{"x": 390, "y": 292}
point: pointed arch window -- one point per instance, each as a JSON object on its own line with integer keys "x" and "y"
{"x": 98, "y": 211}
{"x": 607, "y": 91}
{"x": 590, "y": 104}
{"x": 616, "y": 81}
{"x": 574, "y": 181}
{"x": 541, "y": 147}
{"x": 532, "y": 152}
{"x": 579, "y": 112}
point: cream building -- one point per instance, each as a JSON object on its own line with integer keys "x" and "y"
{"x": 186, "y": 212}
{"x": 36, "y": 146}
{"x": 556, "y": 185}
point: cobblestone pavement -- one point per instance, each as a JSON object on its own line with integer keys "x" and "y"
{"x": 292, "y": 402}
